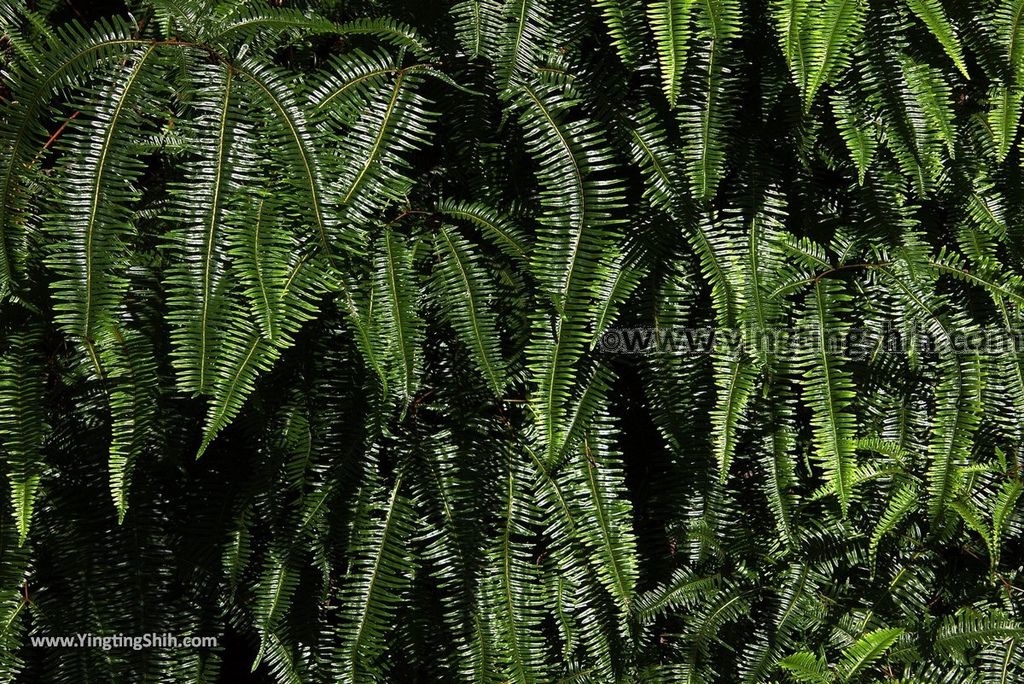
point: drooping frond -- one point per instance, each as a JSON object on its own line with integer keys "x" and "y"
{"x": 395, "y": 295}
{"x": 22, "y": 425}
{"x": 380, "y": 572}
{"x": 670, "y": 22}
{"x": 469, "y": 293}
{"x": 96, "y": 188}
{"x": 832, "y": 28}
{"x": 829, "y": 390}
{"x": 522, "y": 341}
{"x": 934, "y": 17}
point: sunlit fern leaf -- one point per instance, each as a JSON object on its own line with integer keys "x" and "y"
{"x": 806, "y": 667}
{"x": 277, "y": 585}
{"x": 346, "y": 86}
{"x": 578, "y": 551}
{"x": 495, "y": 225}
{"x": 393, "y": 125}
{"x": 177, "y": 16}
{"x": 578, "y": 199}
{"x": 790, "y": 18}
{"x": 281, "y": 661}
{"x": 684, "y": 590}
{"x": 887, "y": 88}
{"x": 237, "y": 550}
{"x": 670, "y": 22}
{"x": 295, "y": 146}
{"x": 258, "y": 246}
{"x": 396, "y": 296}
{"x": 621, "y": 280}
{"x": 14, "y": 605}
{"x": 624, "y": 20}
{"x": 857, "y": 133}
{"x": 73, "y": 52}
{"x": 1004, "y": 118}
{"x": 706, "y": 100}
{"x": 380, "y": 572}
{"x": 22, "y": 426}
{"x": 478, "y": 27}
{"x": 17, "y": 22}
{"x": 587, "y": 402}
{"x": 864, "y": 652}
{"x": 956, "y": 397}
{"x": 902, "y": 503}
{"x": 652, "y": 153}
{"x": 719, "y": 246}
{"x": 971, "y": 628}
{"x": 779, "y": 481}
{"x": 1003, "y": 511}
{"x": 734, "y": 377}
{"x": 1009, "y": 287}
{"x": 389, "y": 30}
{"x": 764, "y": 260}
{"x": 1009, "y": 22}
{"x": 525, "y": 41}
{"x": 245, "y": 353}
{"x": 572, "y": 248}
{"x": 829, "y": 389}
{"x": 250, "y": 21}
{"x": 934, "y": 17}
{"x": 96, "y": 187}
{"x": 704, "y": 625}
{"x": 935, "y": 99}
{"x": 510, "y": 587}
{"x": 198, "y": 299}
{"x": 606, "y": 521}
{"x": 468, "y": 294}
{"x": 832, "y": 29}
{"x": 554, "y": 357}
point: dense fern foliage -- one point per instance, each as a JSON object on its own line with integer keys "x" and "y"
{"x": 319, "y": 327}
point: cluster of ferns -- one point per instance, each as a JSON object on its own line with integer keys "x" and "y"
{"x": 305, "y": 324}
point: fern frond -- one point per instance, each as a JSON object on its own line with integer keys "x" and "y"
{"x": 902, "y": 503}
{"x": 704, "y": 114}
{"x": 832, "y": 30}
{"x": 1004, "y": 118}
{"x": 526, "y": 39}
{"x": 865, "y": 651}
{"x": 934, "y": 17}
{"x": 131, "y": 372}
{"x": 381, "y": 570}
{"x": 199, "y": 283}
{"x": 495, "y": 225}
{"x": 68, "y": 58}
{"x": 829, "y": 391}
{"x": 624, "y": 20}
{"x": 96, "y": 188}
{"x": 22, "y": 426}
{"x": 857, "y": 133}
{"x": 670, "y": 23}
{"x": 477, "y": 27}
{"x": 468, "y": 293}
{"x": 401, "y": 326}
{"x": 807, "y": 667}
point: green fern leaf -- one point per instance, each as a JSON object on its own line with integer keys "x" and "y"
{"x": 670, "y": 23}
{"x": 468, "y": 292}
{"x": 934, "y": 17}
{"x": 863, "y": 653}
{"x": 22, "y": 428}
{"x": 831, "y": 33}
